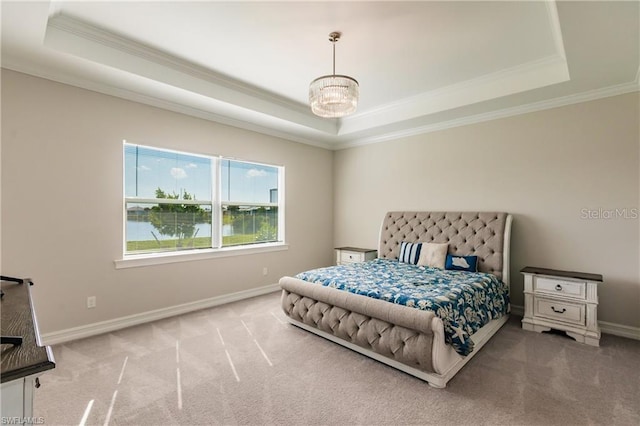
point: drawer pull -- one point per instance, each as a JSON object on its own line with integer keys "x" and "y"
{"x": 558, "y": 287}
{"x": 562, "y": 311}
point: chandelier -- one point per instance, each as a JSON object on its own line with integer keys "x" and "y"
{"x": 333, "y": 96}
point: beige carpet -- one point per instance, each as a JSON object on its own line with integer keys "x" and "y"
{"x": 242, "y": 364}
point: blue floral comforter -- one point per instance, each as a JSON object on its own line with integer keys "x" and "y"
{"x": 465, "y": 301}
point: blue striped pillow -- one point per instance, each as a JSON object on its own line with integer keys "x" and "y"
{"x": 410, "y": 252}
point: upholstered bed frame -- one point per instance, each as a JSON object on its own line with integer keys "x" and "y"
{"x": 405, "y": 338}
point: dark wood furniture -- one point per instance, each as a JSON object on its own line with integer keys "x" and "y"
{"x": 22, "y": 357}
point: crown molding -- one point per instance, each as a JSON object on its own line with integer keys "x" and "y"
{"x": 106, "y": 89}
{"x": 233, "y": 103}
{"x": 556, "y": 30}
{"x": 106, "y": 38}
{"x": 532, "y": 75}
{"x": 590, "y": 95}
{"x": 90, "y": 42}
{"x": 130, "y": 95}
{"x": 633, "y": 86}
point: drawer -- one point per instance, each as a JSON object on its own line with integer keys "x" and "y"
{"x": 573, "y": 313}
{"x": 559, "y": 287}
{"x": 351, "y": 256}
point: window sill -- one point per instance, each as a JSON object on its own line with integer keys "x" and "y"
{"x": 134, "y": 261}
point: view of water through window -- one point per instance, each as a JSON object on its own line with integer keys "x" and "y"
{"x": 169, "y": 199}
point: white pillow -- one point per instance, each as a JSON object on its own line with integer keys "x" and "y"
{"x": 433, "y": 255}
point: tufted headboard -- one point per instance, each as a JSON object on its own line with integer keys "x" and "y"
{"x": 482, "y": 234}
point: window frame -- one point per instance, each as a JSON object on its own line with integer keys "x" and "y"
{"x": 279, "y": 204}
{"x": 217, "y": 249}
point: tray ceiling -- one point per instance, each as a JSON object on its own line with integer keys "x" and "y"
{"x": 422, "y": 66}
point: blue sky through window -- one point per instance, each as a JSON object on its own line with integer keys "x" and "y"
{"x": 147, "y": 169}
{"x": 247, "y": 182}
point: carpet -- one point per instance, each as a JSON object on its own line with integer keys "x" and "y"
{"x": 241, "y": 363}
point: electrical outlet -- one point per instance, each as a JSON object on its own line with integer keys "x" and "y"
{"x": 265, "y": 271}
{"x": 91, "y": 302}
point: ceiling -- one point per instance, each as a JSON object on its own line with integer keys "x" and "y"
{"x": 421, "y": 65}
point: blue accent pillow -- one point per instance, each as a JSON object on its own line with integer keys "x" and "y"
{"x": 410, "y": 252}
{"x": 461, "y": 263}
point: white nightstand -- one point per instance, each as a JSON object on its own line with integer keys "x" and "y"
{"x": 346, "y": 255}
{"x": 562, "y": 300}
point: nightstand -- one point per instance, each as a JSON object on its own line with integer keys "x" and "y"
{"x": 346, "y": 255}
{"x": 562, "y": 300}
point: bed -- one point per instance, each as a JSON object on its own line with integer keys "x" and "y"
{"x": 416, "y": 337}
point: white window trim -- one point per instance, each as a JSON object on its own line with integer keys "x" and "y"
{"x": 138, "y": 260}
{"x": 160, "y": 258}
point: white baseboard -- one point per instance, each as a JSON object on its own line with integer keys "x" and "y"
{"x": 83, "y": 331}
{"x": 605, "y": 327}
{"x": 94, "y": 329}
{"x": 619, "y": 330}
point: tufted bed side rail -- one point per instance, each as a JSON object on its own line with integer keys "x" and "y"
{"x": 467, "y": 233}
{"x": 403, "y": 335}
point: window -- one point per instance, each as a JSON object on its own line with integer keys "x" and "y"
{"x": 177, "y": 201}
{"x": 249, "y": 203}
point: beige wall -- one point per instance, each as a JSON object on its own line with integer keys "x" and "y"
{"x": 61, "y": 177}
{"x": 544, "y": 167}
{"x": 62, "y": 203}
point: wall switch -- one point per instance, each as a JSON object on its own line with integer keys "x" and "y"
{"x": 91, "y": 302}
{"x": 265, "y": 271}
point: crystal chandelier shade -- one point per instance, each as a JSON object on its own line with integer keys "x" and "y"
{"x": 333, "y": 96}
